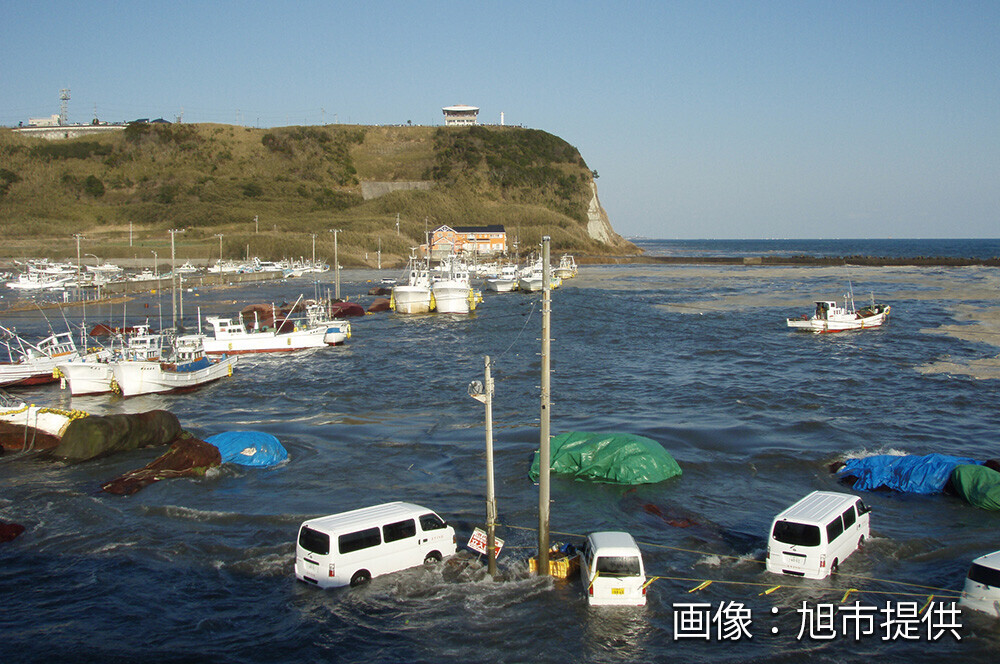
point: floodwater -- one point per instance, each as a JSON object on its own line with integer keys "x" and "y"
{"x": 697, "y": 358}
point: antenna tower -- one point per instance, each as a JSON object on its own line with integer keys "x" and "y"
{"x": 63, "y": 98}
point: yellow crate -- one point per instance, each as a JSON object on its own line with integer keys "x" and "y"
{"x": 561, "y": 568}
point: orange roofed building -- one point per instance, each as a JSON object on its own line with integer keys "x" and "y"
{"x": 483, "y": 240}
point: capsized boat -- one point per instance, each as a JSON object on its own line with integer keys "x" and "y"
{"x": 189, "y": 369}
{"x": 829, "y": 317}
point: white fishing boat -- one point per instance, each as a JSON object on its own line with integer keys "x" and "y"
{"x": 95, "y": 376}
{"x": 228, "y": 336}
{"x": 189, "y": 369}
{"x": 567, "y": 267}
{"x": 52, "y": 421}
{"x": 505, "y": 281}
{"x": 452, "y": 290}
{"x": 531, "y": 278}
{"x": 187, "y": 268}
{"x": 415, "y": 296}
{"x": 33, "y": 364}
{"x": 829, "y": 317}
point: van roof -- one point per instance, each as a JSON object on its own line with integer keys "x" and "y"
{"x": 347, "y": 521}
{"x": 991, "y": 560}
{"x": 817, "y": 507}
{"x": 613, "y": 539}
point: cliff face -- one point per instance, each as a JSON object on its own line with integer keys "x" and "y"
{"x": 281, "y": 189}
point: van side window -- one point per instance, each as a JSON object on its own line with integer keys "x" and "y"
{"x": 363, "y": 539}
{"x": 392, "y": 532}
{"x": 432, "y": 522}
{"x": 834, "y": 529}
{"x": 849, "y": 517}
{"x": 314, "y": 541}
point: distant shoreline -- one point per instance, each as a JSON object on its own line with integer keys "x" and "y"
{"x": 871, "y": 261}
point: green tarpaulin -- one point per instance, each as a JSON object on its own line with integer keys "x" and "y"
{"x": 615, "y": 458}
{"x": 977, "y": 484}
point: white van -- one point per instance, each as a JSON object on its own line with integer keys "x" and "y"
{"x": 815, "y": 535}
{"x": 612, "y": 570}
{"x": 352, "y": 547}
{"x": 982, "y": 585}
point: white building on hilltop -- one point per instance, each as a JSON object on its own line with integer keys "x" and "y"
{"x": 460, "y": 115}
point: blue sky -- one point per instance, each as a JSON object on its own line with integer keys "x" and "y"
{"x": 703, "y": 119}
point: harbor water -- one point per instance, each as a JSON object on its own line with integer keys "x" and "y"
{"x": 695, "y": 357}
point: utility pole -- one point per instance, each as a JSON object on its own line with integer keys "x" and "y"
{"x": 130, "y": 232}
{"x": 336, "y": 265}
{"x": 483, "y": 393}
{"x": 256, "y": 225}
{"x": 173, "y": 275}
{"x": 544, "y": 447}
{"x": 379, "y": 254}
{"x": 219, "y": 235}
{"x": 314, "y": 250}
{"x": 78, "y": 237}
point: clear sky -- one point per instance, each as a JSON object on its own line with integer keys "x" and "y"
{"x": 749, "y": 119}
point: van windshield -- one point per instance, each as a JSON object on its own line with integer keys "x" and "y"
{"x": 314, "y": 541}
{"x": 618, "y": 565}
{"x": 789, "y": 532}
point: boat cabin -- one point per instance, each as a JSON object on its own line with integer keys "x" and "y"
{"x": 824, "y": 308}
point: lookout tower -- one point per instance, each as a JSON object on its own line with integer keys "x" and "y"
{"x": 460, "y": 115}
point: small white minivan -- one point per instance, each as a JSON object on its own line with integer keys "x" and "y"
{"x": 982, "y": 585}
{"x": 813, "y": 537}
{"x": 352, "y": 547}
{"x": 612, "y": 570}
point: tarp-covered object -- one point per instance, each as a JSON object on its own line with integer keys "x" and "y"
{"x": 249, "y": 448}
{"x": 614, "y": 458}
{"x": 187, "y": 457}
{"x": 979, "y": 485}
{"x": 94, "y": 436}
{"x": 910, "y": 473}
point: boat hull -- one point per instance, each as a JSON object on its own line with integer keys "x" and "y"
{"x": 134, "y": 378}
{"x": 87, "y": 377}
{"x": 455, "y": 299}
{"x": 267, "y": 342}
{"x": 411, "y": 299}
{"x": 501, "y": 285}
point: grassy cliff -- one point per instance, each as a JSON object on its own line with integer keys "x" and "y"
{"x": 298, "y": 182}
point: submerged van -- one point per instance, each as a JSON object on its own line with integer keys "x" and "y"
{"x": 815, "y": 535}
{"x": 982, "y": 585}
{"x": 353, "y": 547}
{"x": 612, "y": 570}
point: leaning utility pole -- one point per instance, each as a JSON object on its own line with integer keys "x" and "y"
{"x": 483, "y": 393}
{"x": 544, "y": 449}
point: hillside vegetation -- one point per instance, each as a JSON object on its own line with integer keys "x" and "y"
{"x": 299, "y": 182}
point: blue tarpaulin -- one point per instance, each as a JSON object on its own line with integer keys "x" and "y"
{"x": 249, "y": 448}
{"x": 910, "y": 473}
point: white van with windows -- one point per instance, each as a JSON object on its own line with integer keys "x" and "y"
{"x": 982, "y": 585}
{"x": 612, "y": 570}
{"x": 353, "y": 547}
{"x": 813, "y": 537}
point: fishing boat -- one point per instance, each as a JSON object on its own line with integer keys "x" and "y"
{"x": 189, "y": 368}
{"x": 829, "y": 317}
{"x": 95, "y": 376}
{"x": 531, "y": 278}
{"x": 415, "y": 296}
{"x": 567, "y": 267}
{"x": 452, "y": 291}
{"x": 228, "y": 336}
{"x": 32, "y": 364}
{"x": 505, "y": 281}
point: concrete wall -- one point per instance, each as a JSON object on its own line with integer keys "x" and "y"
{"x": 370, "y": 190}
{"x": 67, "y": 131}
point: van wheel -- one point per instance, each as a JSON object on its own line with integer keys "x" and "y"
{"x": 432, "y": 557}
{"x": 360, "y": 577}
{"x": 835, "y": 566}
{"x": 861, "y": 542}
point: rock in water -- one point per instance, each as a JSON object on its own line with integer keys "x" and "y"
{"x": 187, "y": 457}
{"x": 94, "y": 436}
{"x": 10, "y": 531}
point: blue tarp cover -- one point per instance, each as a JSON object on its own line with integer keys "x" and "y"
{"x": 910, "y": 473}
{"x": 249, "y": 448}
